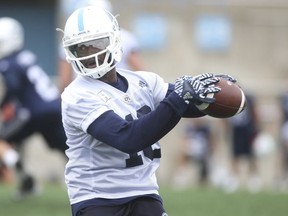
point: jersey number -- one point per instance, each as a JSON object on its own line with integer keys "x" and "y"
{"x": 135, "y": 159}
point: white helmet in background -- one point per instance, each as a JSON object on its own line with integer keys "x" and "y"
{"x": 92, "y": 27}
{"x": 11, "y": 36}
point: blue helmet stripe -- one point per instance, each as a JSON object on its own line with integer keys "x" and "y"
{"x": 80, "y": 20}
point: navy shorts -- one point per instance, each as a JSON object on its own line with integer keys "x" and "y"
{"x": 144, "y": 206}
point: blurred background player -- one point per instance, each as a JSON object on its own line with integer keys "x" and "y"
{"x": 197, "y": 151}
{"x": 283, "y": 181}
{"x": 244, "y": 129}
{"x": 131, "y": 59}
{"x": 30, "y": 103}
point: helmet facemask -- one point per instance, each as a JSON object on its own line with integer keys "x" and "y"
{"x": 92, "y": 58}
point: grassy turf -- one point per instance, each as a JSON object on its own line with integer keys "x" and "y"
{"x": 189, "y": 202}
{"x": 52, "y": 201}
{"x": 210, "y": 202}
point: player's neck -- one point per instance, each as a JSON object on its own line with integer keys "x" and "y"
{"x": 110, "y": 77}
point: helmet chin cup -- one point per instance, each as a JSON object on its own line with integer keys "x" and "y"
{"x": 117, "y": 57}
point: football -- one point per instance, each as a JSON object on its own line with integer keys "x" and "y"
{"x": 229, "y": 101}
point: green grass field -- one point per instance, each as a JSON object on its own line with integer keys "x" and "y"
{"x": 192, "y": 201}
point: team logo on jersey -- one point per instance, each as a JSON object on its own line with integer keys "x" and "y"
{"x": 127, "y": 99}
{"x": 104, "y": 96}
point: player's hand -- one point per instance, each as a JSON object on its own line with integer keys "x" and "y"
{"x": 227, "y": 77}
{"x": 195, "y": 89}
{"x": 208, "y": 81}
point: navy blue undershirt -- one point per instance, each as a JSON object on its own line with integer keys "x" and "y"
{"x": 121, "y": 84}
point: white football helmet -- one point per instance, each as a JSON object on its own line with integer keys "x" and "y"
{"x": 11, "y": 36}
{"x": 105, "y": 4}
{"x": 92, "y": 41}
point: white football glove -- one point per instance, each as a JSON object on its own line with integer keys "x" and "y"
{"x": 195, "y": 89}
{"x": 207, "y": 79}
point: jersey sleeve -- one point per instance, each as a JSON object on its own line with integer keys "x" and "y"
{"x": 80, "y": 110}
{"x": 157, "y": 85}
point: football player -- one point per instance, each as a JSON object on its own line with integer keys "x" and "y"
{"x": 114, "y": 119}
{"x": 31, "y": 103}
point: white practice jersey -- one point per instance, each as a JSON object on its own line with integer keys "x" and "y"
{"x": 95, "y": 169}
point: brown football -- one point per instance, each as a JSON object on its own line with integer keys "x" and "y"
{"x": 229, "y": 101}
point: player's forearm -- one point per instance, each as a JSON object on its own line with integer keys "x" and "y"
{"x": 136, "y": 135}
